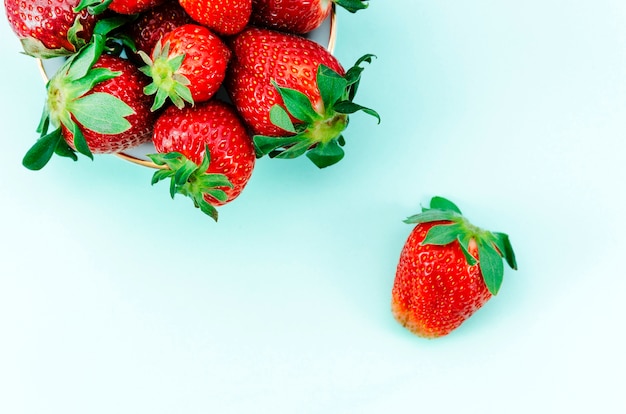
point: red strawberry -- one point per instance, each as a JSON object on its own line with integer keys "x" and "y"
{"x": 297, "y": 16}
{"x": 293, "y": 94}
{"x": 48, "y": 29}
{"x": 97, "y": 104}
{"x": 226, "y": 17}
{"x": 189, "y": 64}
{"x": 448, "y": 269}
{"x": 153, "y": 24}
{"x": 207, "y": 151}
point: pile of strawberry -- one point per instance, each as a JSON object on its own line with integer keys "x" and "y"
{"x": 214, "y": 84}
{"x": 283, "y": 96}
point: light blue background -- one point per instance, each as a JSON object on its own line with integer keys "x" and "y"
{"x": 116, "y": 299}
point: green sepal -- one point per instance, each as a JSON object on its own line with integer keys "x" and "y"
{"x": 297, "y": 104}
{"x": 191, "y": 180}
{"x": 440, "y": 203}
{"x": 347, "y": 107}
{"x": 35, "y": 48}
{"x": 491, "y": 266}
{"x": 327, "y": 154}
{"x": 503, "y": 243}
{"x": 332, "y": 86}
{"x": 280, "y": 117}
{"x": 102, "y": 112}
{"x": 265, "y": 145}
{"x": 352, "y": 5}
{"x": 432, "y": 215}
{"x": 80, "y": 143}
{"x": 443, "y": 234}
{"x": 44, "y": 122}
{"x": 79, "y": 65}
{"x": 41, "y": 152}
{"x": 464, "y": 240}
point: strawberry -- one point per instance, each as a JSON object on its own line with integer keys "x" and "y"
{"x": 448, "y": 269}
{"x": 297, "y": 16}
{"x": 226, "y": 17}
{"x": 188, "y": 64}
{"x": 48, "y": 29}
{"x": 96, "y": 104}
{"x": 207, "y": 151}
{"x": 153, "y": 24}
{"x": 294, "y": 95}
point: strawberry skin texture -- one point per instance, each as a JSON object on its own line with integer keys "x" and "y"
{"x": 133, "y": 6}
{"x": 435, "y": 289}
{"x": 213, "y": 124}
{"x": 226, "y": 17}
{"x": 48, "y": 23}
{"x": 261, "y": 56}
{"x": 128, "y": 87}
{"x": 155, "y": 23}
{"x": 293, "y": 16}
{"x": 205, "y": 62}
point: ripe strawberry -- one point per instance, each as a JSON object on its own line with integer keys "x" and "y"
{"x": 448, "y": 269}
{"x": 155, "y": 23}
{"x": 226, "y": 17}
{"x": 207, "y": 151}
{"x": 297, "y": 16}
{"x": 188, "y": 64}
{"x": 48, "y": 29}
{"x": 294, "y": 95}
{"x": 96, "y": 105}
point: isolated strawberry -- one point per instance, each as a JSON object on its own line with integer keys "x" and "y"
{"x": 153, "y": 24}
{"x": 226, "y": 17}
{"x": 297, "y": 16}
{"x": 48, "y": 29}
{"x": 188, "y": 64}
{"x": 448, "y": 269}
{"x": 207, "y": 151}
{"x": 95, "y": 104}
{"x": 294, "y": 94}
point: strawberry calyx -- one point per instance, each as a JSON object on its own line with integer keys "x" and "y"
{"x": 318, "y": 132}
{"x": 166, "y": 81}
{"x": 192, "y": 180}
{"x": 69, "y": 105}
{"x": 492, "y": 247}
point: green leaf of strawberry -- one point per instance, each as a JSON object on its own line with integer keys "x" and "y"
{"x": 352, "y": 5}
{"x": 191, "y": 180}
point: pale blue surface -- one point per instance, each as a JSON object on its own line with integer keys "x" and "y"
{"x": 115, "y": 299}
